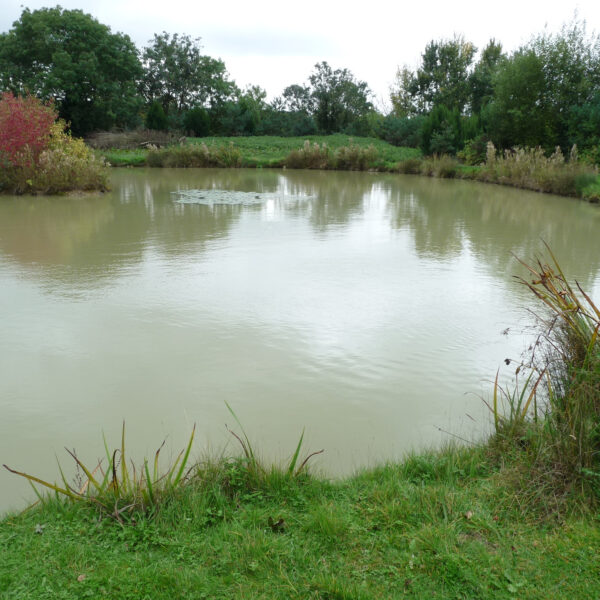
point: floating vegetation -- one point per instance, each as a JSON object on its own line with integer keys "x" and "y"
{"x": 231, "y": 197}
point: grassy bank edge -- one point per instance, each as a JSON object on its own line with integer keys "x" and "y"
{"x": 450, "y": 523}
{"x": 338, "y": 152}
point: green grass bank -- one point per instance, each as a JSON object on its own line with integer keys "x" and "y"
{"x": 522, "y": 167}
{"x": 254, "y": 151}
{"x": 451, "y": 524}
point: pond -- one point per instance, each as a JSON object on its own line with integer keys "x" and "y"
{"x": 370, "y": 310}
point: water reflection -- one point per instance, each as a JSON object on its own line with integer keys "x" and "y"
{"x": 497, "y": 223}
{"x": 97, "y": 235}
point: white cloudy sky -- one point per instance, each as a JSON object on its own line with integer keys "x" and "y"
{"x": 274, "y": 43}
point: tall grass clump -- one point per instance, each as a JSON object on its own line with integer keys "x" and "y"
{"x": 530, "y": 168}
{"x": 443, "y": 166}
{"x": 355, "y": 158}
{"x": 120, "y": 489}
{"x": 256, "y": 471}
{"x": 350, "y": 157}
{"x": 553, "y": 418}
{"x": 115, "y": 484}
{"x": 310, "y": 156}
{"x": 410, "y": 166}
{"x": 195, "y": 155}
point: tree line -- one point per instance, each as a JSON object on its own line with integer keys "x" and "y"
{"x": 546, "y": 93}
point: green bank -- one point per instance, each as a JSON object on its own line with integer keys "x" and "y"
{"x": 453, "y": 524}
{"x": 526, "y": 168}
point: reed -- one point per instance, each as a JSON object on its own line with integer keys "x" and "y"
{"x": 555, "y": 415}
{"x": 310, "y": 156}
{"x": 121, "y": 489}
{"x": 117, "y": 486}
{"x": 350, "y": 157}
{"x": 530, "y": 168}
{"x": 195, "y": 155}
{"x": 255, "y": 468}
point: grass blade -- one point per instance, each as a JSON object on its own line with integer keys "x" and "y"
{"x": 292, "y": 464}
{"x": 185, "y": 457}
{"x": 47, "y": 484}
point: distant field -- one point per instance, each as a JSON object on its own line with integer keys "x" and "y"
{"x": 266, "y": 151}
{"x": 258, "y": 150}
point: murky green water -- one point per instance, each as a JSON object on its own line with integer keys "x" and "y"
{"x": 367, "y": 308}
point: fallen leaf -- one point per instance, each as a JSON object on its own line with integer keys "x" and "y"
{"x": 81, "y": 577}
{"x": 468, "y": 514}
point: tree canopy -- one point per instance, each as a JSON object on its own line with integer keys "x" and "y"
{"x": 68, "y": 56}
{"x": 441, "y": 79}
{"x": 334, "y": 98}
{"x": 178, "y": 76}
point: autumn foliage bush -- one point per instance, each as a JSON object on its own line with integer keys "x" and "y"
{"x": 38, "y": 155}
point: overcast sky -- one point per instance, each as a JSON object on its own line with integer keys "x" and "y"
{"x": 274, "y": 43}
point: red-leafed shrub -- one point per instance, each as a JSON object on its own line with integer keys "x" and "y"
{"x": 25, "y": 128}
{"x": 38, "y": 156}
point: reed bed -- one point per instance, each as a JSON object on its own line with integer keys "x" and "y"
{"x": 552, "y": 419}
{"x": 352, "y": 157}
{"x": 120, "y": 489}
{"x": 195, "y": 155}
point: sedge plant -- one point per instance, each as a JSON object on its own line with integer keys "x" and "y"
{"x": 558, "y": 407}
{"x": 117, "y": 486}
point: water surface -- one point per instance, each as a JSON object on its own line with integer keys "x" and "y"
{"x": 368, "y": 309}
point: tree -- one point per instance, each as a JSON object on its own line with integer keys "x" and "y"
{"x": 338, "y": 98}
{"x": 442, "y": 78}
{"x": 545, "y": 92}
{"x": 69, "y": 56}
{"x": 571, "y": 66}
{"x": 481, "y": 79}
{"x": 156, "y": 118}
{"x": 196, "y": 121}
{"x": 297, "y": 98}
{"x": 519, "y": 113}
{"x": 404, "y": 101}
{"x": 178, "y": 76}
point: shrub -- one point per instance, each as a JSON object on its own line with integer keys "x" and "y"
{"x": 530, "y": 168}
{"x": 410, "y": 166}
{"x": 25, "y": 128}
{"x": 354, "y": 157}
{"x": 156, "y": 117}
{"x": 403, "y": 131}
{"x": 309, "y": 157}
{"x": 37, "y": 155}
{"x": 196, "y": 122}
{"x": 474, "y": 151}
{"x": 591, "y": 192}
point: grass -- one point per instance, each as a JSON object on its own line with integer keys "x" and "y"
{"x": 526, "y": 168}
{"x": 443, "y": 525}
{"x": 553, "y": 419}
{"x": 124, "y": 158}
{"x": 272, "y": 151}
